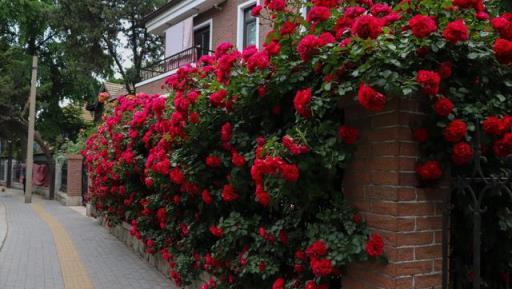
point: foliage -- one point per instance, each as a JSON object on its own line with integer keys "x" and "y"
{"x": 112, "y": 31}
{"x": 238, "y": 172}
{"x": 29, "y": 30}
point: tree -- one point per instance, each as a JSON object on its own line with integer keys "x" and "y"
{"x": 114, "y": 32}
{"x": 28, "y": 28}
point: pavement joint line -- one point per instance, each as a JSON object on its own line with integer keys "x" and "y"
{"x": 73, "y": 271}
{"x": 4, "y": 225}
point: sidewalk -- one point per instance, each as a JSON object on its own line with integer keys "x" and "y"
{"x": 54, "y": 247}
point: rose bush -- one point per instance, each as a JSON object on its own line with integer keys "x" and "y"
{"x": 237, "y": 172}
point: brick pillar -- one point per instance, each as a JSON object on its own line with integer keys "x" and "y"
{"x": 74, "y": 179}
{"x": 381, "y": 182}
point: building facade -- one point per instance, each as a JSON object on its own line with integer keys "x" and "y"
{"x": 192, "y": 28}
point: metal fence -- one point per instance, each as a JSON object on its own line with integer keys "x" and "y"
{"x": 470, "y": 218}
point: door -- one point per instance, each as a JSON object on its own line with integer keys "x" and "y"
{"x": 202, "y": 40}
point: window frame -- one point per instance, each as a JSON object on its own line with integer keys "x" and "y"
{"x": 241, "y": 24}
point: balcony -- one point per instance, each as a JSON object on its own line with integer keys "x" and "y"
{"x": 182, "y": 58}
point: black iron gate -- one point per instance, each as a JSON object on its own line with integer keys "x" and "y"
{"x": 471, "y": 227}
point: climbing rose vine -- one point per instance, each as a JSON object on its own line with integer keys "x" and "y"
{"x": 234, "y": 178}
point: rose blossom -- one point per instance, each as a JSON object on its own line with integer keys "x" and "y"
{"x": 301, "y": 102}
{"x": 443, "y": 107}
{"x": 462, "y": 153}
{"x": 422, "y": 26}
{"x": 375, "y": 245}
{"x": 370, "y": 99}
{"x": 348, "y": 135}
{"x": 429, "y": 171}
{"x": 367, "y": 26}
{"x": 429, "y": 81}
{"x": 456, "y": 32}
{"x": 455, "y": 131}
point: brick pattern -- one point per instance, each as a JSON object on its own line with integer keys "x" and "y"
{"x": 155, "y": 87}
{"x": 381, "y": 182}
{"x": 74, "y": 180}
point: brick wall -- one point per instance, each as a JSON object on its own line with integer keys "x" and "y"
{"x": 381, "y": 182}
{"x": 224, "y": 20}
{"x": 74, "y": 181}
{"x": 154, "y": 87}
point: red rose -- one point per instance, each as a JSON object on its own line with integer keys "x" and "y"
{"x": 321, "y": 267}
{"x": 255, "y": 11}
{"x": 326, "y": 3}
{"x": 429, "y": 171}
{"x": 367, "y": 26}
{"x": 294, "y": 148}
{"x": 228, "y": 194}
{"x": 493, "y": 126}
{"x": 272, "y": 48}
{"x": 429, "y": 81}
{"x": 206, "y": 197}
{"x": 176, "y": 176}
{"x": 258, "y": 60}
{"x": 263, "y": 198}
{"x": 507, "y": 122}
{"x": 317, "y": 249}
{"x": 308, "y": 46}
{"x": 503, "y": 26}
{"x": 503, "y": 51}
{"x": 503, "y": 146}
{"x": 318, "y": 14}
{"x": 217, "y": 232}
{"x": 213, "y": 161}
{"x": 279, "y": 284}
{"x": 375, "y": 245}
{"x": 381, "y": 10}
{"x": 290, "y": 172}
{"x": 217, "y": 99}
{"x": 462, "y": 153}
{"x": 445, "y": 69}
{"x": 276, "y": 5}
{"x": 226, "y": 131}
{"x": 301, "y": 102}
{"x": 465, "y": 4}
{"x": 422, "y": 26}
{"x": 357, "y": 218}
{"x": 348, "y": 135}
{"x": 287, "y": 28}
{"x": 420, "y": 134}
{"x": 311, "y": 285}
{"x": 237, "y": 159}
{"x": 443, "y": 107}
{"x": 455, "y": 131}
{"x": 370, "y": 99}
{"x": 262, "y": 267}
{"x": 456, "y": 31}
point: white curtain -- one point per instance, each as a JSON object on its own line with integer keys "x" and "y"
{"x": 188, "y": 32}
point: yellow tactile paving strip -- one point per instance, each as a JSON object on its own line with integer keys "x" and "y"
{"x": 73, "y": 271}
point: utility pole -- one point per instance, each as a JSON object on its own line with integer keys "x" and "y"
{"x": 31, "y": 127}
{"x": 9, "y": 163}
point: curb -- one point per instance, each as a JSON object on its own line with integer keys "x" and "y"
{"x": 3, "y": 225}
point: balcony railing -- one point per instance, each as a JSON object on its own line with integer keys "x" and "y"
{"x": 173, "y": 62}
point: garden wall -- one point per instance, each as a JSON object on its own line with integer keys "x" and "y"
{"x": 381, "y": 182}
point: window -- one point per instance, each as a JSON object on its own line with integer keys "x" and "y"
{"x": 249, "y": 36}
{"x": 247, "y": 30}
